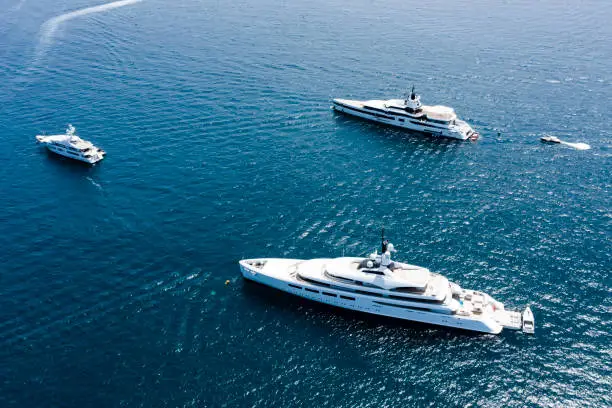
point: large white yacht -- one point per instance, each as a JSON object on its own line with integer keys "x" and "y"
{"x": 72, "y": 146}
{"x": 409, "y": 113}
{"x": 378, "y": 285}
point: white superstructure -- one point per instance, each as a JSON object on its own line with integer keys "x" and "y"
{"x": 409, "y": 113}
{"x": 72, "y": 146}
{"x": 397, "y": 290}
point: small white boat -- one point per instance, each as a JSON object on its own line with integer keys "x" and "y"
{"x": 71, "y": 146}
{"x": 528, "y": 321}
{"x": 409, "y": 113}
{"x": 380, "y": 286}
{"x": 550, "y": 139}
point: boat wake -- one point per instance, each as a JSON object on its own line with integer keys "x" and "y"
{"x": 555, "y": 139}
{"x": 18, "y": 6}
{"x": 50, "y": 27}
{"x": 577, "y": 146}
{"x": 98, "y": 186}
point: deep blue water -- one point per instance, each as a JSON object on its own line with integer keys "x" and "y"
{"x": 221, "y": 145}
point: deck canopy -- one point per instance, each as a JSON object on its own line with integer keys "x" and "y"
{"x": 439, "y": 112}
{"x": 402, "y": 276}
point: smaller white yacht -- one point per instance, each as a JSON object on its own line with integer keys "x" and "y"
{"x": 550, "y": 139}
{"x": 72, "y": 146}
{"x": 380, "y": 286}
{"x": 409, "y": 113}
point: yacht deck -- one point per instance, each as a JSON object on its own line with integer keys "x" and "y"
{"x": 509, "y": 319}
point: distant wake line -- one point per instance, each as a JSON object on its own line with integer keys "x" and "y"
{"x": 579, "y": 146}
{"x": 50, "y": 26}
{"x": 18, "y": 6}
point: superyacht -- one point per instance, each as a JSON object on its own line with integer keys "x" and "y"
{"x": 410, "y": 113}
{"x": 381, "y": 286}
{"x": 72, "y": 146}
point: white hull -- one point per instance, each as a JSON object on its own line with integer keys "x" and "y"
{"x": 364, "y": 303}
{"x": 355, "y": 108}
{"x": 71, "y": 155}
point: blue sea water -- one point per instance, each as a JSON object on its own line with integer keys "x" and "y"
{"x": 221, "y": 145}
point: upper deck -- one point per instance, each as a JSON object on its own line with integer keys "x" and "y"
{"x": 408, "y": 280}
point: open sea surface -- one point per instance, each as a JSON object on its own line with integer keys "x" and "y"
{"x": 221, "y": 146}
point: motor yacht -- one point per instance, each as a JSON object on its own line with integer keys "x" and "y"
{"x": 550, "y": 139}
{"x": 381, "y": 286}
{"x": 72, "y": 146}
{"x": 409, "y": 113}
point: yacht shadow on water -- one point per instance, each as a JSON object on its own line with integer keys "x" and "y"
{"x": 61, "y": 163}
{"x": 266, "y": 297}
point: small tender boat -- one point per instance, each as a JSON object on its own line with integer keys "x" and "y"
{"x": 550, "y": 139}
{"x": 528, "y": 321}
{"x": 380, "y": 286}
{"x": 71, "y": 146}
{"x": 409, "y": 113}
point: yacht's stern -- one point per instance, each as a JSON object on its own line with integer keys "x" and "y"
{"x": 465, "y": 130}
{"x": 515, "y": 320}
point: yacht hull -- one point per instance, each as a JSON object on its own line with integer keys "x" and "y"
{"x": 61, "y": 150}
{"x": 290, "y": 283}
{"x": 69, "y": 155}
{"x": 355, "y": 108}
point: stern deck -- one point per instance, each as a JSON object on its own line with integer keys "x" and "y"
{"x": 509, "y": 319}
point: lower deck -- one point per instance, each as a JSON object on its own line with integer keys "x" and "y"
{"x": 509, "y": 319}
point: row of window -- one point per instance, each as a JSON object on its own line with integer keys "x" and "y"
{"x": 74, "y": 149}
{"x": 322, "y": 292}
{"x": 374, "y": 109}
{"x": 378, "y": 115}
{"x": 369, "y": 293}
{"x": 61, "y": 149}
{"x": 424, "y": 309}
{"x": 442, "y": 122}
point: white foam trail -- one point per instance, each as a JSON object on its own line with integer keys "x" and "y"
{"x": 18, "y": 6}
{"x": 578, "y": 146}
{"x": 49, "y": 28}
{"x": 98, "y": 186}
